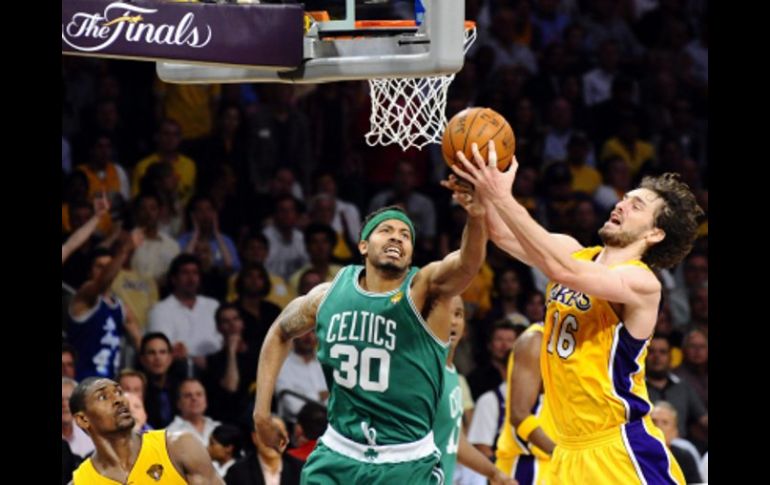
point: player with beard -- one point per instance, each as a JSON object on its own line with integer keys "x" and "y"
{"x": 383, "y": 330}
{"x": 101, "y": 409}
{"x": 601, "y": 309}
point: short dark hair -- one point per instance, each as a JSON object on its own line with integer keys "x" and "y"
{"x": 377, "y": 212}
{"x": 152, "y": 336}
{"x": 229, "y": 435}
{"x": 222, "y": 308}
{"x": 68, "y": 348}
{"x": 312, "y": 418}
{"x": 678, "y": 218}
{"x": 316, "y": 228}
{"x": 253, "y": 267}
{"x": 503, "y": 324}
{"x": 98, "y": 252}
{"x": 78, "y": 397}
{"x": 182, "y": 260}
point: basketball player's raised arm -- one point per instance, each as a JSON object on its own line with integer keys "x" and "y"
{"x": 191, "y": 459}
{"x": 553, "y": 255}
{"x": 524, "y": 388}
{"x": 81, "y": 235}
{"x": 295, "y": 320}
{"x": 452, "y": 275}
{"x": 86, "y": 296}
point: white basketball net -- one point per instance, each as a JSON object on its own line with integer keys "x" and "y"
{"x": 410, "y": 111}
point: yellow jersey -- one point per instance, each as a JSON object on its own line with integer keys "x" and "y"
{"x": 593, "y": 368}
{"x": 514, "y": 456}
{"x": 593, "y": 375}
{"x": 152, "y": 467}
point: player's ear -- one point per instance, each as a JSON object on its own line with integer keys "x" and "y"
{"x": 82, "y": 421}
{"x": 655, "y": 235}
{"x": 363, "y": 247}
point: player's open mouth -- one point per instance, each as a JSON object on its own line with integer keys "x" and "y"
{"x": 393, "y": 251}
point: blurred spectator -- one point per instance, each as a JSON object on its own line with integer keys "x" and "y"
{"x": 192, "y": 416}
{"x": 133, "y": 381}
{"x": 488, "y": 415}
{"x": 168, "y": 138}
{"x": 665, "y": 417}
{"x": 205, "y": 222}
{"x": 490, "y": 374}
{"x": 616, "y": 175}
{"x": 694, "y": 370}
{"x": 585, "y": 178}
{"x": 419, "y": 207}
{"x": 347, "y": 218}
{"x": 231, "y": 371}
{"x": 162, "y": 379}
{"x": 319, "y": 243}
{"x": 279, "y": 137}
{"x": 628, "y": 145}
{"x": 534, "y": 306}
{"x": 302, "y": 374}
{"x": 254, "y": 250}
{"x": 192, "y": 106}
{"x": 286, "y": 244}
{"x": 137, "y": 292}
{"x": 309, "y": 280}
{"x": 550, "y": 21}
{"x": 603, "y": 23}
{"x": 98, "y": 318}
{"x": 154, "y": 256}
{"x": 105, "y": 176}
{"x": 502, "y": 43}
{"x": 322, "y": 210}
{"x": 161, "y": 181}
{"x": 224, "y": 447}
{"x": 68, "y": 359}
{"x": 185, "y": 316}
{"x": 258, "y": 314}
{"x": 311, "y": 424}
{"x": 663, "y": 385}
{"x": 266, "y": 465}
{"x": 695, "y": 274}
{"x": 586, "y": 223}
{"x": 597, "y": 82}
{"x": 84, "y": 232}
{"x": 136, "y": 407}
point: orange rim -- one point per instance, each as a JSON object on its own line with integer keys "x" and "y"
{"x": 398, "y": 24}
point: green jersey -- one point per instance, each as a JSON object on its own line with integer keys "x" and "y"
{"x": 449, "y": 421}
{"x": 383, "y": 365}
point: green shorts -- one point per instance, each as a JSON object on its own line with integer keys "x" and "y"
{"x": 327, "y": 466}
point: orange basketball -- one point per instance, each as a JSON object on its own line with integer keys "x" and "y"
{"x": 478, "y": 125}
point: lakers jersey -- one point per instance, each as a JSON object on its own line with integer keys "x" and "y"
{"x": 593, "y": 368}
{"x": 152, "y": 467}
{"x": 514, "y": 456}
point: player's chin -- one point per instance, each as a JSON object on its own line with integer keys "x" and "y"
{"x": 126, "y": 422}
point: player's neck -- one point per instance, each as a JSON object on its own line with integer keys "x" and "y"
{"x": 610, "y": 255}
{"x": 118, "y": 450}
{"x": 377, "y": 280}
{"x": 450, "y": 358}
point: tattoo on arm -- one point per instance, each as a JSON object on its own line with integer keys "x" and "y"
{"x": 299, "y": 315}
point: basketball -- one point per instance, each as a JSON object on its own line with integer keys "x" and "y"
{"x": 478, "y": 125}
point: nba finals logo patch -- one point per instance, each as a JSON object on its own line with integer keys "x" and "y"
{"x": 397, "y": 297}
{"x": 155, "y": 472}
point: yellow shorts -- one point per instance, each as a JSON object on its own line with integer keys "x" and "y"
{"x": 527, "y": 469}
{"x": 633, "y": 453}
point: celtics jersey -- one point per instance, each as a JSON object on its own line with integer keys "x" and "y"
{"x": 383, "y": 365}
{"x": 449, "y": 421}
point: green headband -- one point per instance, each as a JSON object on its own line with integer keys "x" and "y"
{"x": 384, "y": 216}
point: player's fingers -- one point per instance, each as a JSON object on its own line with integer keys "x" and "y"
{"x": 491, "y": 155}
